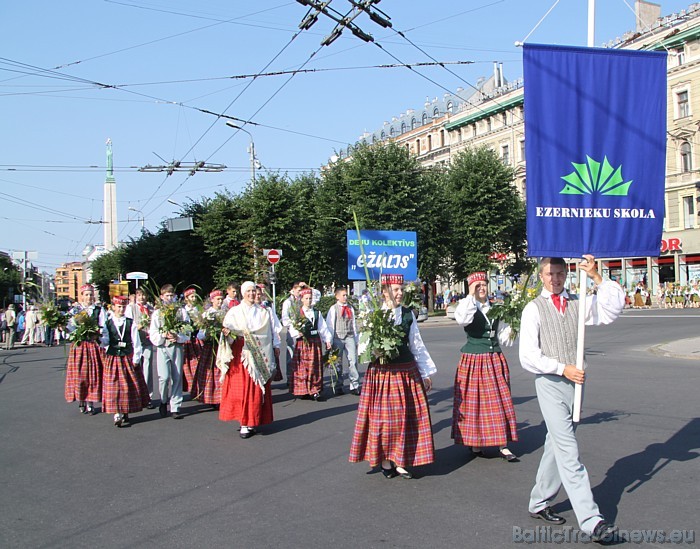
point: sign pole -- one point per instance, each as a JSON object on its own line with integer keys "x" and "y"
{"x": 580, "y": 342}
{"x": 274, "y": 290}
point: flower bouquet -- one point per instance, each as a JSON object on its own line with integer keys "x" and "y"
{"x": 300, "y": 323}
{"x": 511, "y": 310}
{"x": 52, "y": 317}
{"x": 86, "y": 328}
{"x": 145, "y": 321}
{"x": 380, "y": 338}
{"x": 333, "y": 361}
{"x": 172, "y": 320}
{"x": 211, "y": 321}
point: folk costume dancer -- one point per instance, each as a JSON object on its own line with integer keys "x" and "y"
{"x": 290, "y": 307}
{"x": 276, "y": 325}
{"x": 85, "y": 360}
{"x": 341, "y": 323}
{"x": 170, "y": 356}
{"x": 192, "y": 349}
{"x": 231, "y": 300}
{"x": 246, "y": 396}
{"x": 393, "y": 419}
{"x": 307, "y": 364}
{"x": 137, "y": 311}
{"x": 206, "y": 387}
{"x": 124, "y": 388}
{"x": 483, "y": 414}
{"x": 548, "y": 338}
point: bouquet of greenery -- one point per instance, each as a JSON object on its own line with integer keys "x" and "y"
{"x": 332, "y": 360}
{"x": 145, "y": 320}
{"x": 212, "y": 322}
{"x": 172, "y": 320}
{"x": 52, "y": 317}
{"x": 300, "y": 323}
{"x": 511, "y": 310}
{"x": 86, "y": 328}
{"x": 380, "y": 337}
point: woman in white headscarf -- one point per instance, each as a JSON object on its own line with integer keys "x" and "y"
{"x": 245, "y": 391}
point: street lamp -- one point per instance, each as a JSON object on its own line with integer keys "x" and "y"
{"x": 251, "y": 150}
{"x": 143, "y": 218}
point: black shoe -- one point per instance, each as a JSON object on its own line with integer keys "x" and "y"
{"x": 82, "y": 407}
{"x": 125, "y": 421}
{"x": 118, "y": 422}
{"x": 390, "y": 473}
{"x": 163, "y": 410}
{"x": 151, "y": 405}
{"x": 338, "y": 391}
{"x": 477, "y": 453}
{"x": 509, "y": 457}
{"x": 177, "y": 415}
{"x": 91, "y": 411}
{"x": 249, "y": 433}
{"x": 355, "y": 391}
{"x": 549, "y": 516}
{"x": 318, "y": 397}
{"x": 604, "y": 532}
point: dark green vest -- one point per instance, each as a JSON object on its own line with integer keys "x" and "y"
{"x": 114, "y": 349}
{"x": 405, "y": 354}
{"x": 479, "y": 340}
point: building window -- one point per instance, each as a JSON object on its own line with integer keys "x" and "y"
{"x": 504, "y": 118}
{"x": 522, "y": 150}
{"x": 430, "y": 142}
{"x": 689, "y": 212}
{"x": 488, "y": 124}
{"x": 473, "y": 130}
{"x": 436, "y": 112}
{"x": 686, "y": 157}
{"x": 680, "y": 56}
{"x": 391, "y": 131}
{"x": 450, "y": 107}
{"x": 425, "y": 118}
{"x": 403, "y": 127}
{"x": 683, "y": 104}
{"x": 417, "y": 146}
{"x": 413, "y": 123}
{"x": 505, "y": 154}
{"x": 383, "y": 135}
{"x": 442, "y": 138}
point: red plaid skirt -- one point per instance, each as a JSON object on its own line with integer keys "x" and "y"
{"x": 393, "y": 418}
{"x": 241, "y": 398}
{"x": 124, "y": 389}
{"x": 191, "y": 352}
{"x": 307, "y": 366}
{"x": 205, "y": 386}
{"x": 483, "y": 413}
{"x": 84, "y": 372}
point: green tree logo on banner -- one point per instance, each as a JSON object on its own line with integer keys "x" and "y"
{"x": 591, "y": 178}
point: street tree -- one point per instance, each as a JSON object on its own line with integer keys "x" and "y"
{"x": 486, "y": 212}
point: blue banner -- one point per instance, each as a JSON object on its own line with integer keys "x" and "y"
{"x": 595, "y": 149}
{"x": 386, "y": 252}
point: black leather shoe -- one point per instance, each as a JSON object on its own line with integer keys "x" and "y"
{"x": 163, "y": 410}
{"x": 339, "y": 391}
{"x": 248, "y": 433}
{"x": 604, "y": 532}
{"x": 151, "y": 405}
{"x": 82, "y": 407}
{"x": 508, "y": 456}
{"x": 390, "y": 473}
{"x": 318, "y": 397}
{"x": 125, "y": 421}
{"x": 355, "y": 392}
{"x": 549, "y": 516}
{"x": 177, "y": 415}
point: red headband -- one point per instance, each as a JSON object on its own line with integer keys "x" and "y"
{"x": 306, "y": 291}
{"x": 216, "y": 293}
{"x": 392, "y": 279}
{"x": 190, "y": 291}
{"x": 120, "y": 300}
{"x": 476, "y": 277}
{"x": 86, "y": 288}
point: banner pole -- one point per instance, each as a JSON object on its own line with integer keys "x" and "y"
{"x": 581, "y": 339}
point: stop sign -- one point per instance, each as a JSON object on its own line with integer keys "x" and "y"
{"x": 273, "y": 256}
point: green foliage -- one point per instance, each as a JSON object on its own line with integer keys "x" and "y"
{"x": 486, "y": 212}
{"x": 9, "y": 279}
{"x": 106, "y": 268}
{"x": 324, "y": 304}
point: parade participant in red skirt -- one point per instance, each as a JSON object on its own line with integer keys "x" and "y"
{"x": 393, "y": 419}
{"x": 84, "y": 368}
{"x": 124, "y": 389}
{"x": 246, "y": 396}
{"x": 310, "y": 335}
{"x": 483, "y": 413}
{"x": 206, "y": 387}
{"x": 192, "y": 348}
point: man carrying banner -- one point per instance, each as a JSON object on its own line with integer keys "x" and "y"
{"x": 548, "y": 339}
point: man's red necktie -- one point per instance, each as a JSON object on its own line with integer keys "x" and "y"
{"x": 559, "y": 302}
{"x": 346, "y": 311}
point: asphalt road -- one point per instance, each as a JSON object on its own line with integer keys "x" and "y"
{"x": 70, "y": 480}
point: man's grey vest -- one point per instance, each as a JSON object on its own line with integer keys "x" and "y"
{"x": 558, "y": 333}
{"x": 343, "y": 325}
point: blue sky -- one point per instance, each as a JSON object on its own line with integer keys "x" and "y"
{"x": 140, "y": 72}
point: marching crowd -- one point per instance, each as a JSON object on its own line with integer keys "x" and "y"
{"x": 227, "y": 354}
